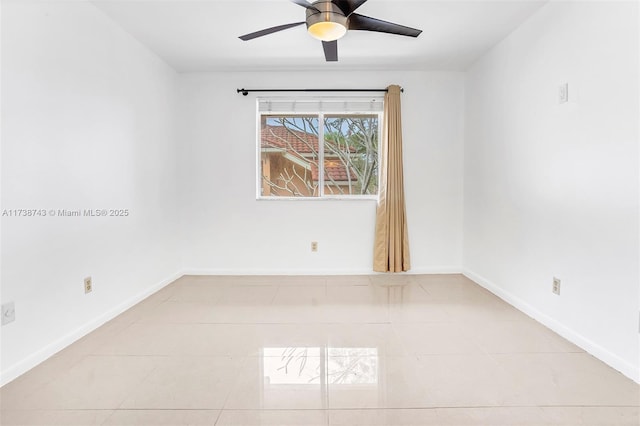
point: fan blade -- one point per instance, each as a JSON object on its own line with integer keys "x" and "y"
{"x": 348, "y": 6}
{"x": 267, "y": 31}
{"x": 330, "y": 50}
{"x": 304, "y": 4}
{"x": 366, "y": 23}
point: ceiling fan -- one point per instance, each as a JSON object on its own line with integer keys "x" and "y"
{"x": 328, "y": 20}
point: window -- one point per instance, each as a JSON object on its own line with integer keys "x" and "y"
{"x": 318, "y": 148}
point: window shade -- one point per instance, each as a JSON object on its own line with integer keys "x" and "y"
{"x": 363, "y": 105}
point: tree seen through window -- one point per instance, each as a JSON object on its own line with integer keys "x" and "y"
{"x": 290, "y": 155}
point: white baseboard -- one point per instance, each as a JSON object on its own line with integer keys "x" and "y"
{"x": 606, "y": 356}
{"x": 428, "y": 270}
{"x": 21, "y": 367}
{"x": 302, "y": 272}
{"x": 436, "y": 270}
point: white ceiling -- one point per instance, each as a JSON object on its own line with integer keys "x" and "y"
{"x": 202, "y": 35}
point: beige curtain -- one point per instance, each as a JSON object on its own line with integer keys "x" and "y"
{"x": 391, "y": 247}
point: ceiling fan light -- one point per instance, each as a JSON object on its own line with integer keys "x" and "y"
{"x": 327, "y": 30}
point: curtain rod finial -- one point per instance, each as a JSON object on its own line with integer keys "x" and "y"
{"x": 243, "y": 91}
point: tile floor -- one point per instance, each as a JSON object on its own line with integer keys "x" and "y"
{"x": 339, "y": 350}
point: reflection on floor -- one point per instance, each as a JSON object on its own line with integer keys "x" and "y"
{"x": 319, "y": 366}
{"x": 322, "y": 350}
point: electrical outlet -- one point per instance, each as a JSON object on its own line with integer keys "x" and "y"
{"x": 556, "y": 286}
{"x": 8, "y": 313}
{"x": 88, "y": 285}
{"x": 314, "y": 246}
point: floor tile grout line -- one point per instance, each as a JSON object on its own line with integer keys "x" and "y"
{"x": 438, "y": 407}
{"x": 133, "y": 389}
{"x": 232, "y": 387}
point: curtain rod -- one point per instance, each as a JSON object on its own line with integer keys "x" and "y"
{"x": 245, "y": 92}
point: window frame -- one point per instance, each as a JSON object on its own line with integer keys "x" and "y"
{"x": 321, "y": 130}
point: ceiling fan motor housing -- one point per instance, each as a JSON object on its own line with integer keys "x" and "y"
{"x": 327, "y": 13}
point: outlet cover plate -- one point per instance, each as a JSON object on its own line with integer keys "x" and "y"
{"x": 8, "y": 313}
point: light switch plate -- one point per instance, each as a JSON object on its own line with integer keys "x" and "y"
{"x": 563, "y": 93}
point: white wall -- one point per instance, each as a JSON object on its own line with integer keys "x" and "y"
{"x": 549, "y": 190}
{"x": 87, "y": 123}
{"x": 552, "y": 190}
{"x": 227, "y": 230}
